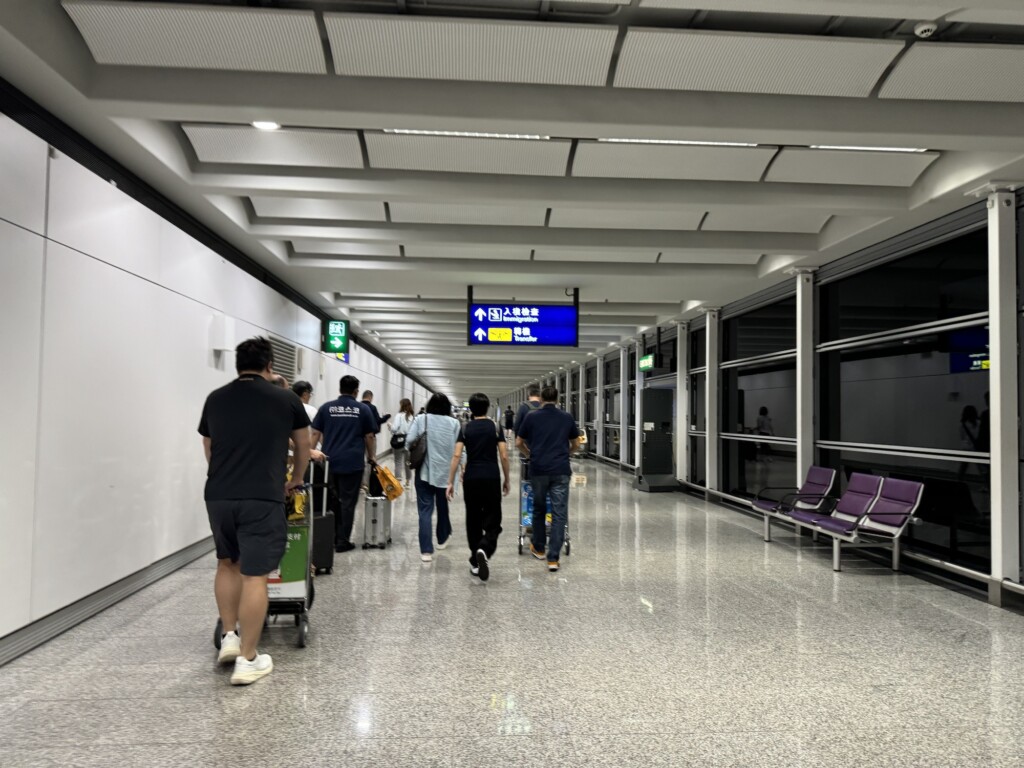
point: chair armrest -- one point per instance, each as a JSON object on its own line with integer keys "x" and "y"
{"x": 773, "y": 488}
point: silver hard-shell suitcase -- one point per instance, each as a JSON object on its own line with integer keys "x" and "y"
{"x": 376, "y": 522}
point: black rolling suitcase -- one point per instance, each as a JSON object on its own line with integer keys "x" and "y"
{"x": 323, "y": 522}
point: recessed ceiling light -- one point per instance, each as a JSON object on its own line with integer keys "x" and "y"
{"x": 867, "y": 149}
{"x": 265, "y": 125}
{"x": 680, "y": 142}
{"x": 468, "y": 134}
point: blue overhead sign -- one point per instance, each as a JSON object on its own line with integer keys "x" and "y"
{"x": 527, "y": 325}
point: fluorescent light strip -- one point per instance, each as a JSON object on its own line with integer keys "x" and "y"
{"x": 265, "y": 125}
{"x": 469, "y": 134}
{"x": 680, "y": 142}
{"x": 867, "y": 149}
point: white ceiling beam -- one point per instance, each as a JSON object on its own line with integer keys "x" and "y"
{"x": 360, "y": 304}
{"x": 543, "y": 237}
{"x": 379, "y": 319}
{"x": 557, "y": 111}
{"x": 547, "y": 191}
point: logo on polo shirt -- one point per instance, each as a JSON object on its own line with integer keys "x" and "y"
{"x": 343, "y": 410}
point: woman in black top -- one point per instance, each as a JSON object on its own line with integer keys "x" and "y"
{"x": 482, "y": 486}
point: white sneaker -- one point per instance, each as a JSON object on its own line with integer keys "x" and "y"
{"x": 426, "y": 557}
{"x": 247, "y": 672}
{"x": 442, "y": 546}
{"x": 483, "y": 568}
{"x": 230, "y": 647}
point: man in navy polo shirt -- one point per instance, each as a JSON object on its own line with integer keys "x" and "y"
{"x": 348, "y": 429}
{"x": 547, "y": 436}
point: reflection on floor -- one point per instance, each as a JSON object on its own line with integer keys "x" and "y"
{"x": 672, "y": 636}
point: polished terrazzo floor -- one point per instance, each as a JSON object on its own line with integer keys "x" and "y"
{"x": 672, "y": 636}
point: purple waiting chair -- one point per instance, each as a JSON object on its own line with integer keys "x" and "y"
{"x": 873, "y": 512}
{"x": 810, "y": 497}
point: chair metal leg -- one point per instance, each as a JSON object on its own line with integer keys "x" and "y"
{"x": 896, "y": 554}
{"x": 814, "y": 536}
{"x": 767, "y": 528}
{"x": 836, "y": 544}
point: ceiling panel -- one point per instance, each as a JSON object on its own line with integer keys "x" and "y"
{"x": 292, "y": 147}
{"x": 619, "y": 218}
{"x": 377, "y": 45}
{"x": 764, "y": 219}
{"x": 988, "y": 16}
{"x": 492, "y": 252}
{"x": 958, "y": 72}
{"x": 199, "y": 37}
{"x": 661, "y": 161}
{"x": 688, "y": 60}
{"x": 329, "y": 247}
{"x": 590, "y": 254}
{"x": 718, "y": 257}
{"x": 822, "y": 166}
{"x": 455, "y": 213}
{"x": 317, "y": 208}
{"x": 879, "y": 9}
{"x": 467, "y": 155}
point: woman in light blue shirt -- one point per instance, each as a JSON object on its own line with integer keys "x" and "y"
{"x": 432, "y": 477}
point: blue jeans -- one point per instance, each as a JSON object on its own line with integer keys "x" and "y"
{"x": 557, "y": 487}
{"x": 426, "y": 495}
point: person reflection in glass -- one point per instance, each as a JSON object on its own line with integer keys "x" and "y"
{"x": 970, "y": 434}
{"x": 764, "y": 427}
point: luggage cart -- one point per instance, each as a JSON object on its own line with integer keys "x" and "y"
{"x": 290, "y": 588}
{"x": 526, "y": 502}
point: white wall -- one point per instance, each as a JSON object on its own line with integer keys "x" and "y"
{"x": 106, "y": 313}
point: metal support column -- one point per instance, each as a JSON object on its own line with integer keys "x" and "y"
{"x": 638, "y": 409}
{"x": 681, "y": 427}
{"x": 581, "y": 402}
{"x": 599, "y": 448}
{"x": 805, "y": 355}
{"x": 711, "y": 400}
{"x": 623, "y": 402}
{"x": 1003, "y": 394}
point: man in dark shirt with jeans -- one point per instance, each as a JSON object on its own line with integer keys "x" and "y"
{"x": 348, "y": 430}
{"x": 547, "y": 436}
{"x": 246, "y": 426}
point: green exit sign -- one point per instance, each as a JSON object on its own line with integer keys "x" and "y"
{"x": 335, "y": 336}
{"x": 647, "y": 363}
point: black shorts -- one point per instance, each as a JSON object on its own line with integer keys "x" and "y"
{"x": 251, "y": 532}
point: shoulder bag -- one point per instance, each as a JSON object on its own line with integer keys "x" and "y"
{"x": 418, "y": 448}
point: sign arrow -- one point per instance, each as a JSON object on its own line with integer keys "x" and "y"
{"x": 480, "y": 315}
{"x": 336, "y": 343}
{"x": 480, "y": 335}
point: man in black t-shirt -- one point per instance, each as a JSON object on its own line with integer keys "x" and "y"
{"x": 483, "y": 444}
{"x": 548, "y": 436}
{"x": 348, "y": 430}
{"x": 246, "y": 426}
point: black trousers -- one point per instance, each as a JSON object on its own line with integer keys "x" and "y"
{"x": 347, "y": 485}
{"x": 483, "y": 515}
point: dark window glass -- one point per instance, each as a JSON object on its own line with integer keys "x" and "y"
{"x": 746, "y": 391}
{"x": 698, "y": 461}
{"x": 611, "y": 406}
{"x": 920, "y": 392}
{"x": 575, "y": 381}
{"x": 632, "y": 405}
{"x": 630, "y": 448}
{"x": 632, "y": 365}
{"x": 590, "y": 413}
{"x": 612, "y": 369}
{"x": 611, "y": 443}
{"x": 955, "y": 507}
{"x": 667, "y": 353}
{"x": 698, "y": 348}
{"x": 698, "y": 383}
{"x": 760, "y": 332}
{"x": 591, "y": 375}
{"x": 574, "y": 407}
{"x": 748, "y": 467}
{"x": 946, "y": 280}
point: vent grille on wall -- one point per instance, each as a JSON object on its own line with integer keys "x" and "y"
{"x": 286, "y": 358}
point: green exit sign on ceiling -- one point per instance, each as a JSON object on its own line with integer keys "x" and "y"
{"x": 335, "y": 336}
{"x": 647, "y": 363}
